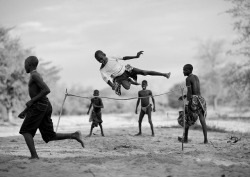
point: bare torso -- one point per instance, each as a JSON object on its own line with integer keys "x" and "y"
{"x": 145, "y": 93}
{"x": 193, "y": 84}
{"x": 36, "y": 84}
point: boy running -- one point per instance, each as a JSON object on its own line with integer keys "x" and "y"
{"x": 38, "y": 111}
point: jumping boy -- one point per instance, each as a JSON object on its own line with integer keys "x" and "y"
{"x": 38, "y": 111}
{"x": 120, "y": 74}
{"x": 146, "y": 107}
{"x": 196, "y": 103}
{"x": 96, "y": 114}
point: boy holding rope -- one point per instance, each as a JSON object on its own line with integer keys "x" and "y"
{"x": 146, "y": 107}
{"x": 38, "y": 111}
{"x": 120, "y": 74}
{"x": 196, "y": 104}
{"x": 96, "y": 114}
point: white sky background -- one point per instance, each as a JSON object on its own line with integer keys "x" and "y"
{"x": 68, "y": 32}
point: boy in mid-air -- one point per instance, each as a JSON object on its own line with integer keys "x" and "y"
{"x": 38, "y": 111}
{"x": 116, "y": 74}
{"x": 146, "y": 107}
{"x": 96, "y": 114}
{"x": 196, "y": 103}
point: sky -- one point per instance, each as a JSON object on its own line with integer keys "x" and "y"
{"x": 68, "y": 32}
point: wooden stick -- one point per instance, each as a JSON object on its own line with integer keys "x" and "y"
{"x": 184, "y": 124}
{"x": 66, "y": 94}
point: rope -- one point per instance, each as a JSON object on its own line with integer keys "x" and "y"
{"x": 131, "y": 98}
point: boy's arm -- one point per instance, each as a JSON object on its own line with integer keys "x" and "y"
{"x": 106, "y": 78}
{"x": 189, "y": 88}
{"x": 153, "y": 100}
{"x": 42, "y": 85}
{"x": 99, "y": 106}
{"x": 132, "y": 57}
{"x": 89, "y": 107}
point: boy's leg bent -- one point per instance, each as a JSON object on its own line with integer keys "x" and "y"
{"x": 31, "y": 145}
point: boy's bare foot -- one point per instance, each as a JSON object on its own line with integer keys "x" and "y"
{"x": 168, "y": 75}
{"x": 78, "y": 137}
{"x": 181, "y": 139}
{"x": 34, "y": 157}
{"x": 205, "y": 141}
{"x": 153, "y": 135}
{"x": 138, "y": 134}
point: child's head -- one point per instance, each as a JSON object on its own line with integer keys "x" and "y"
{"x": 30, "y": 63}
{"x": 187, "y": 69}
{"x": 144, "y": 84}
{"x": 100, "y": 56}
{"x": 96, "y": 93}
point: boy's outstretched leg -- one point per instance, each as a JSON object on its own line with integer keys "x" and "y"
{"x": 31, "y": 145}
{"x": 151, "y": 73}
{"x": 76, "y": 136}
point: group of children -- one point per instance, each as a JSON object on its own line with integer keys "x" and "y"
{"x": 37, "y": 114}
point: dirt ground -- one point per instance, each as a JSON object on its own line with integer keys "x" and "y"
{"x": 122, "y": 154}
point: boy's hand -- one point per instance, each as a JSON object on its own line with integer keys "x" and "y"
{"x": 22, "y": 115}
{"x": 87, "y": 113}
{"x": 139, "y": 54}
{"x": 29, "y": 103}
{"x": 136, "y": 111}
{"x": 113, "y": 86}
{"x": 153, "y": 109}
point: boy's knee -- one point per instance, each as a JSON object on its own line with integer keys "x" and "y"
{"x": 126, "y": 86}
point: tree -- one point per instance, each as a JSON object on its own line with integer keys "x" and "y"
{"x": 211, "y": 63}
{"x": 173, "y": 97}
{"x": 241, "y": 15}
{"x": 13, "y": 78}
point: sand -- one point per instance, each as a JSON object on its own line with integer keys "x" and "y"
{"x": 122, "y": 154}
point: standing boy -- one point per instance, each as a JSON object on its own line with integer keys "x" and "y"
{"x": 120, "y": 74}
{"x": 96, "y": 114}
{"x": 196, "y": 103}
{"x": 38, "y": 111}
{"x": 146, "y": 107}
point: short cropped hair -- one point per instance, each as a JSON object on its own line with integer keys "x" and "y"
{"x": 33, "y": 60}
{"x": 97, "y": 52}
{"x": 189, "y": 67}
{"x": 144, "y": 81}
{"x": 96, "y": 92}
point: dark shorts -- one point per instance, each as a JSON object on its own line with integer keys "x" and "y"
{"x": 96, "y": 118}
{"x": 132, "y": 74}
{"x": 38, "y": 116}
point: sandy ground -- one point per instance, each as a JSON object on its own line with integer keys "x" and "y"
{"x": 122, "y": 154}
